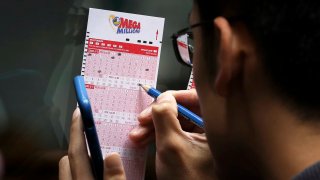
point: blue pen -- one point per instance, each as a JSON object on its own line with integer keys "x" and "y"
{"x": 182, "y": 110}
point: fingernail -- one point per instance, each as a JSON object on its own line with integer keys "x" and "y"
{"x": 145, "y": 112}
{"x": 76, "y": 113}
{"x": 136, "y": 131}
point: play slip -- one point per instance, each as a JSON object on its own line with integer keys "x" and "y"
{"x": 121, "y": 50}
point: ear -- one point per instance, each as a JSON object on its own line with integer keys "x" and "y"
{"x": 229, "y": 64}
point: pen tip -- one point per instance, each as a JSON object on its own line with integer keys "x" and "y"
{"x": 145, "y": 87}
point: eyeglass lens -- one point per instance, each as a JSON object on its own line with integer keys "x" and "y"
{"x": 185, "y": 48}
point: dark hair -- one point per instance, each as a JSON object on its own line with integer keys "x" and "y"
{"x": 287, "y": 34}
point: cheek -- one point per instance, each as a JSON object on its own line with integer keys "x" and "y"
{"x": 212, "y": 105}
{"x": 213, "y": 111}
{"x": 198, "y": 69}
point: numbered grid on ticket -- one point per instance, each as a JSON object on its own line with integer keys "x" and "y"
{"x": 121, "y": 50}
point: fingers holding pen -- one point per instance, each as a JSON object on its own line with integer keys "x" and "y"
{"x": 142, "y": 135}
{"x": 164, "y": 115}
{"x": 166, "y": 104}
{"x": 145, "y": 132}
{"x": 187, "y": 98}
{"x": 145, "y": 117}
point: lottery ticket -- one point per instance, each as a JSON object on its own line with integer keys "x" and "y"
{"x": 121, "y": 50}
{"x": 191, "y": 84}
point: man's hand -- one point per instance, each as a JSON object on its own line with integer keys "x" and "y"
{"x": 179, "y": 154}
{"x": 77, "y": 164}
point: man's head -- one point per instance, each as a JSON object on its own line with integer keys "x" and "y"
{"x": 253, "y": 52}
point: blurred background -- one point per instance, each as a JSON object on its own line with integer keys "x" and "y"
{"x": 41, "y": 49}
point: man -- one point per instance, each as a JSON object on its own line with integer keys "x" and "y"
{"x": 255, "y": 65}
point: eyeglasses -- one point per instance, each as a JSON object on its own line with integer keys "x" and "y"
{"x": 183, "y": 44}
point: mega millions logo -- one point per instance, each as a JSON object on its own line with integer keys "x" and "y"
{"x": 124, "y": 26}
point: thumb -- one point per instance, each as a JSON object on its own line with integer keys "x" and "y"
{"x": 164, "y": 115}
{"x": 113, "y": 168}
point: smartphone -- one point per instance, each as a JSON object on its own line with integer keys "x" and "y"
{"x": 89, "y": 127}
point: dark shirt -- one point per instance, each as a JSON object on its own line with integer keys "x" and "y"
{"x": 311, "y": 173}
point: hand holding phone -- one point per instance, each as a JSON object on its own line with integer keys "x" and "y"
{"x": 89, "y": 127}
